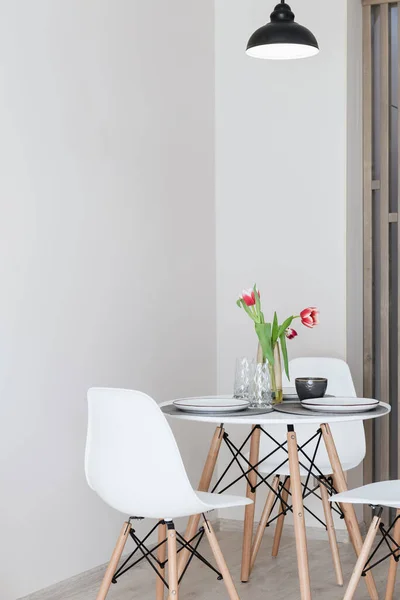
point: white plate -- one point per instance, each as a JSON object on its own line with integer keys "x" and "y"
{"x": 215, "y": 404}
{"x": 345, "y": 405}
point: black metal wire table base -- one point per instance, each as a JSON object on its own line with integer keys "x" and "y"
{"x": 307, "y": 462}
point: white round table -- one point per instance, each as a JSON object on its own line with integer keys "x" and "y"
{"x": 275, "y": 417}
{"x": 256, "y": 422}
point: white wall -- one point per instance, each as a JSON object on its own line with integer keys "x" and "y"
{"x": 280, "y": 181}
{"x": 107, "y": 245}
{"x": 354, "y": 261}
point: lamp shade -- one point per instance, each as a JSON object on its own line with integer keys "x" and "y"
{"x": 282, "y": 38}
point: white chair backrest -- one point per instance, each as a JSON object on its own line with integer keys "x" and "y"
{"x": 340, "y": 381}
{"x": 132, "y": 460}
{"x": 349, "y": 437}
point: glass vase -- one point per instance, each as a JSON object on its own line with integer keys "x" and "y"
{"x": 260, "y": 388}
{"x": 275, "y": 373}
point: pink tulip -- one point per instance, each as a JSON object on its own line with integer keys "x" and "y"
{"x": 310, "y": 317}
{"x": 249, "y": 297}
{"x": 290, "y": 333}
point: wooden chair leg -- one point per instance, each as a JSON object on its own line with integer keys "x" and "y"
{"x": 350, "y": 518}
{"x": 112, "y": 565}
{"x": 250, "y": 508}
{"x": 172, "y": 562}
{"x": 330, "y": 527}
{"x": 362, "y": 558}
{"x": 263, "y": 521}
{"x": 220, "y": 560}
{"x": 393, "y": 563}
{"x": 161, "y": 554}
{"x": 298, "y": 517}
{"x": 281, "y": 519}
{"x": 204, "y": 484}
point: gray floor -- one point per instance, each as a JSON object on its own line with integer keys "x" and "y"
{"x": 271, "y": 578}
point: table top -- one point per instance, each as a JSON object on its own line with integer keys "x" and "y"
{"x": 276, "y": 418}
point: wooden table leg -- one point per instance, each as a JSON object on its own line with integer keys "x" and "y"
{"x": 161, "y": 554}
{"x": 298, "y": 516}
{"x": 281, "y": 519}
{"x": 205, "y": 481}
{"x": 340, "y": 484}
{"x": 250, "y": 508}
{"x": 264, "y": 520}
{"x": 330, "y": 527}
{"x": 393, "y": 564}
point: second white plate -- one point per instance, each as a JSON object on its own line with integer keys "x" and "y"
{"x": 345, "y": 405}
{"x": 208, "y": 404}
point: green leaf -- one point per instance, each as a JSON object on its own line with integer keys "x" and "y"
{"x": 239, "y": 302}
{"x": 275, "y": 329}
{"x": 284, "y": 354}
{"x": 263, "y": 331}
{"x": 284, "y": 326}
{"x": 257, "y": 299}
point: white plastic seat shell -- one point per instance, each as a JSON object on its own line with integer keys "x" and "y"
{"x": 133, "y": 463}
{"x": 381, "y": 493}
{"x": 349, "y": 437}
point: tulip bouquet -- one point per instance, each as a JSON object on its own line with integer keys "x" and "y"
{"x": 272, "y": 336}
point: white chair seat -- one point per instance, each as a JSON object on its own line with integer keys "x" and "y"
{"x": 381, "y": 493}
{"x": 200, "y": 502}
{"x": 215, "y": 501}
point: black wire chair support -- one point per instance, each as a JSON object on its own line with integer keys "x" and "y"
{"x": 394, "y": 551}
{"x": 149, "y": 554}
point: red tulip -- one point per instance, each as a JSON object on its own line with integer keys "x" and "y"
{"x": 248, "y": 297}
{"x": 290, "y": 333}
{"x": 309, "y": 317}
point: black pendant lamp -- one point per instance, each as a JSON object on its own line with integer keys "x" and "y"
{"x": 282, "y": 38}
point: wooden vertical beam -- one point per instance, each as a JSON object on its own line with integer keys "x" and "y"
{"x": 374, "y": 2}
{"x": 368, "y": 356}
{"x": 398, "y": 239}
{"x": 384, "y": 237}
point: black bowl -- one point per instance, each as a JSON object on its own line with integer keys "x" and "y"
{"x": 311, "y": 387}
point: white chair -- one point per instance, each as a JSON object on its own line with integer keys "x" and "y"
{"x": 349, "y": 440}
{"x": 133, "y": 463}
{"x": 377, "y": 495}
